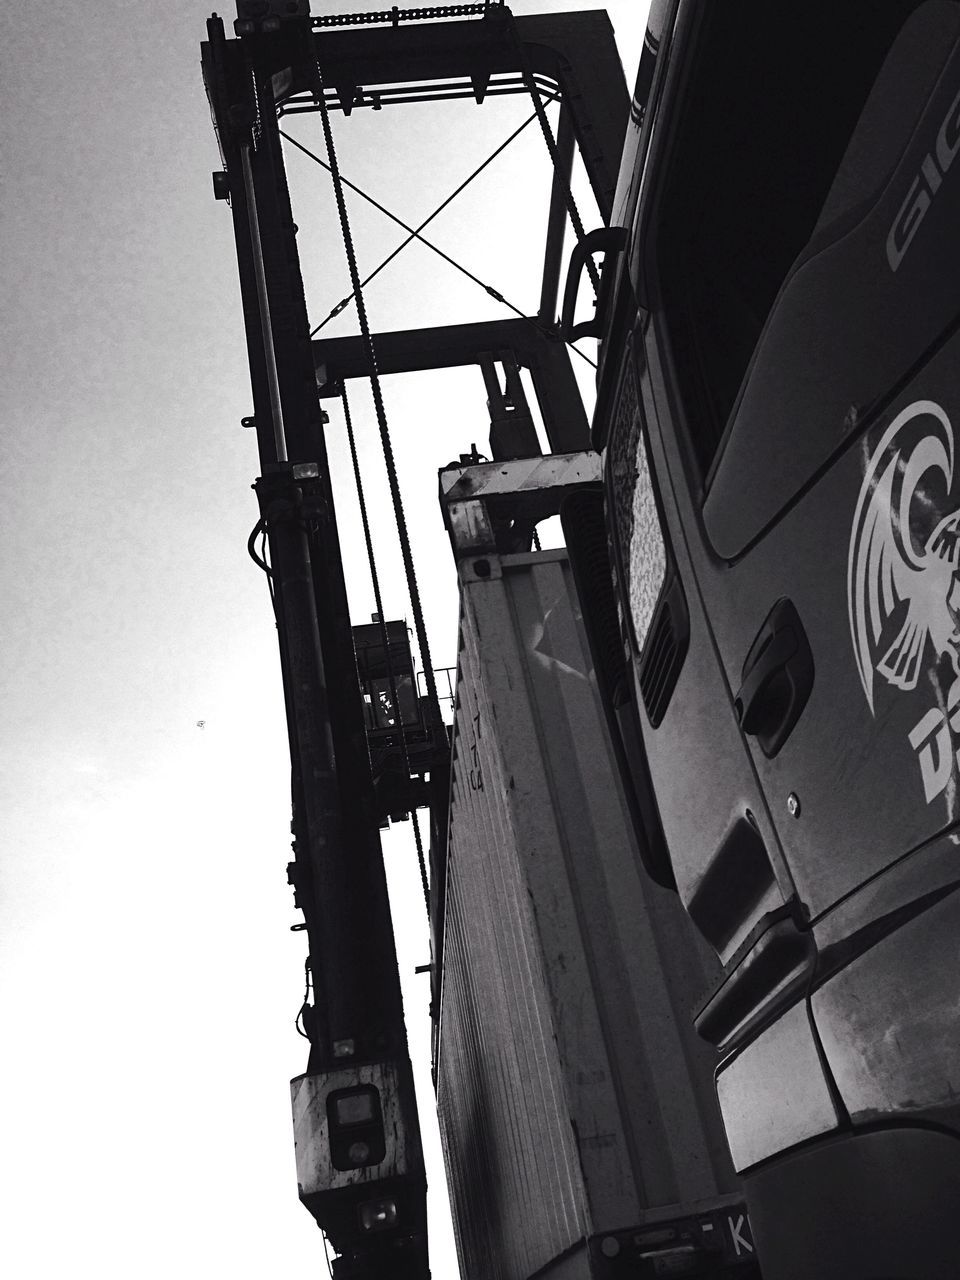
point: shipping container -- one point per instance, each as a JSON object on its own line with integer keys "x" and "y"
{"x": 577, "y": 1105}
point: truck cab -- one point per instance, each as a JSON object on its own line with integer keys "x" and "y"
{"x": 777, "y": 628}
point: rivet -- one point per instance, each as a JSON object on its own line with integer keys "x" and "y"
{"x": 793, "y": 804}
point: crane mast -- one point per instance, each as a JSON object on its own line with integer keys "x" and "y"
{"x": 358, "y": 1089}
{"x": 359, "y": 1157}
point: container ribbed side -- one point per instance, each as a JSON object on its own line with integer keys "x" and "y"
{"x": 574, "y": 1095}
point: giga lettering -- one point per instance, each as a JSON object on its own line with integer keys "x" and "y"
{"x": 920, "y": 195}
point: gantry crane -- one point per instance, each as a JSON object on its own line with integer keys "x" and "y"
{"x": 359, "y": 1158}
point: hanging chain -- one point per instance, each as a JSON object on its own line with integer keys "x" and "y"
{"x": 396, "y": 15}
{"x": 384, "y": 638}
{"x": 257, "y": 127}
{"x": 385, "y": 441}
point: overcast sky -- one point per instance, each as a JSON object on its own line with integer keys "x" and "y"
{"x": 148, "y": 976}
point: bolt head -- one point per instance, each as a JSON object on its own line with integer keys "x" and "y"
{"x": 793, "y": 804}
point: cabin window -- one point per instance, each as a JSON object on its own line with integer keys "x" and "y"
{"x": 771, "y": 95}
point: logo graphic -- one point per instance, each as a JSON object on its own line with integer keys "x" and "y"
{"x": 903, "y": 575}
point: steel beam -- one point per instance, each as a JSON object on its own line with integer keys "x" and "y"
{"x": 576, "y": 51}
{"x": 484, "y": 503}
{"x": 405, "y": 351}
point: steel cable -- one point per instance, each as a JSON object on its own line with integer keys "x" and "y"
{"x": 414, "y": 234}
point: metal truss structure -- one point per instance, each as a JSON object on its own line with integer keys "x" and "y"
{"x": 367, "y": 1191}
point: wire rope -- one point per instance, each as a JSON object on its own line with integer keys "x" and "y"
{"x": 414, "y": 234}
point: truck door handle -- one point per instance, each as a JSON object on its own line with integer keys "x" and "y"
{"x": 602, "y": 240}
{"x": 776, "y": 679}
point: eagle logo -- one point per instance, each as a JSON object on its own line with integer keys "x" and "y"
{"x": 903, "y": 569}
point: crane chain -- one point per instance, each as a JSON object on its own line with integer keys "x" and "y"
{"x": 395, "y": 15}
{"x": 387, "y": 446}
{"x": 385, "y": 640}
{"x": 385, "y": 440}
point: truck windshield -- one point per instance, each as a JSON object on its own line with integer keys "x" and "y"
{"x": 772, "y": 94}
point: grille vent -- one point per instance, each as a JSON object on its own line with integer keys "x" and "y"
{"x": 664, "y": 652}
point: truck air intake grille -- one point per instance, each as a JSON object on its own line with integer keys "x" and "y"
{"x": 664, "y": 652}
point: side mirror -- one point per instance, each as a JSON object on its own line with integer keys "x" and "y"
{"x": 603, "y": 240}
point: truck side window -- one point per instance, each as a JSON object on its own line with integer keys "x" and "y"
{"x": 772, "y": 95}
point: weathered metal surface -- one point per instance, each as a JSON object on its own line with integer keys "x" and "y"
{"x": 480, "y": 501}
{"x": 316, "y": 1171}
{"x": 774, "y": 1094}
{"x": 574, "y": 1095}
{"x": 522, "y": 475}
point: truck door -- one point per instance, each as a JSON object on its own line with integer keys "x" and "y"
{"x": 805, "y": 252}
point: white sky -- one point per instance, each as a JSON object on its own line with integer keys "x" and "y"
{"x": 148, "y": 977}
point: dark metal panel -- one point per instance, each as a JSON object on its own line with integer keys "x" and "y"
{"x": 882, "y": 1204}
{"x": 775, "y": 1093}
{"x": 888, "y": 1021}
